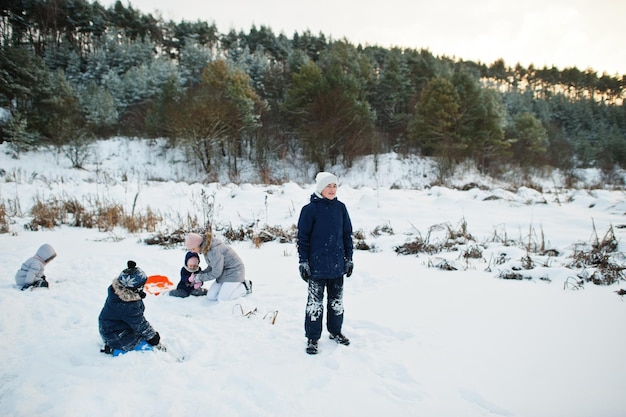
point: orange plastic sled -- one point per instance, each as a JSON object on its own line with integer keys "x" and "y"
{"x": 156, "y": 284}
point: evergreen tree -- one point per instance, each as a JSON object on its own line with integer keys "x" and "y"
{"x": 433, "y": 129}
{"x": 327, "y": 112}
{"x": 22, "y": 74}
{"x": 99, "y": 107}
{"x": 59, "y": 117}
{"x": 194, "y": 57}
{"x": 529, "y": 140}
{"x": 481, "y": 120}
{"x": 163, "y": 108}
{"x": 392, "y": 94}
{"x": 20, "y": 138}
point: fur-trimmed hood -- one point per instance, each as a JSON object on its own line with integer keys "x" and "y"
{"x": 207, "y": 241}
{"x": 125, "y": 294}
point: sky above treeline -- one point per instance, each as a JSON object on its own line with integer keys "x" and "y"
{"x": 563, "y": 33}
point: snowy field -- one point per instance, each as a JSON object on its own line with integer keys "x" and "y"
{"x": 425, "y": 341}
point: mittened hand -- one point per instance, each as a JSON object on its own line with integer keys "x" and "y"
{"x": 305, "y": 271}
{"x": 197, "y": 282}
{"x": 349, "y": 268}
{"x": 194, "y": 278}
{"x": 155, "y": 340}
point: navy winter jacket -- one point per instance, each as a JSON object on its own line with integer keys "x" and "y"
{"x": 325, "y": 237}
{"x": 121, "y": 322}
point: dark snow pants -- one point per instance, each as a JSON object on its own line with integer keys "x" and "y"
{"x": 315, "y": 307}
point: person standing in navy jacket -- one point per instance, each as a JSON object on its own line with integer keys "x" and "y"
{"x": 325, "y": 254}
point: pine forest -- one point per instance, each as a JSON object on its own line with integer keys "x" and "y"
{"x": 72, "y": 72}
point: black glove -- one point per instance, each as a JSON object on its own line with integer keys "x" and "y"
{"x": 155, "y": 339}
{"x": 305, "y": 271}
{"x": 349, "y": 268}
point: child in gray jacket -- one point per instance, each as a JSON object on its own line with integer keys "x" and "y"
{"x": 31, "y": 273}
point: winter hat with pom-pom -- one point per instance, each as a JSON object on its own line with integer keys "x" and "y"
{"x": 193, "y": 241}
{"x": 132, "y": 277}
{"x": 322, "y": 180}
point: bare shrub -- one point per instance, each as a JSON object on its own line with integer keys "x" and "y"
{"x": 104, "y": 216}
{"x": 572, "y": 283}
{"x": 460, "y": 234}
{"x": 384, "y": 229}
{"x": 359, "y": 238}
{"x": 208, "y": 206}
{"x": 527, "y": 262}
{"x": 502, "y": 259}
{"x": 511, "y": 275}
{"x": 81, "y": 216}
{"x": 167, "y": 239}
{"x": 361, "y": 245}
{"x": 45, "y": 215}
{"x": 599, "y": 254}
{"x": 439, "y": 237}
{"x": 500, "y": 235}
{"x": 109, "y": 216}
{"x": 271, "y": 233}
{"x": 442, "y": 264}
{"x": 140, "y": 222}
{"x": 358, "y": 234}
{"x": 608, "y": 274}
{"x": 473, "y": 252}
{"x": 416, "y": 246}
{"x": 239, "y": 234}
{"x": 4, "y": 219}
{"x": 534, "y": 243}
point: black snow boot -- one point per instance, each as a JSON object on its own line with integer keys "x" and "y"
{"x": 340, "y": 338}
{"x": 311, "y": 346}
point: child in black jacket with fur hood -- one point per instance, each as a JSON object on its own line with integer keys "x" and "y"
{"x": 122, "y": 324}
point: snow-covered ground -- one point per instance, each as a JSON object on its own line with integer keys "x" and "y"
{"x": 425, "y": 341}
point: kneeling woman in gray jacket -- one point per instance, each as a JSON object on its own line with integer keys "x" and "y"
{"x": 224, "y": 267}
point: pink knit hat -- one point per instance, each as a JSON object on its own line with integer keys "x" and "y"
{"x": 193, "y": 241}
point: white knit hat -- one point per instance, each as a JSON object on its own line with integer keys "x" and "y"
{"x": 322, "y": 179}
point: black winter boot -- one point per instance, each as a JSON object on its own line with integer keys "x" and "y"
{"x": 199, "y": 292}
{"x": 178, "y": 293}
{"x": 311, "y": 346}
{"x": 340, "y": 338}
